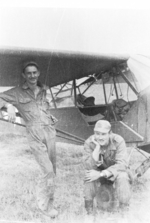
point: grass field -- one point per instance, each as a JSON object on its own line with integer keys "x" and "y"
{"x": 18, "y": 174}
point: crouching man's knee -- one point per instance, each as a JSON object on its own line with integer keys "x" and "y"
{"x": 89, "y": 191}
{"x": 123, "y": 190}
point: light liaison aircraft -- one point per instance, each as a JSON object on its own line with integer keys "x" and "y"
{"x": 84, "y": 88}
{"x": 92, "y": 87}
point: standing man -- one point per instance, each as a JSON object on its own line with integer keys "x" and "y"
{"x": 106, "y": 160}
{"x": 30, "y": 100}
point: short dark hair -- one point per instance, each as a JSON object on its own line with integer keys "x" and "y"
{"x": 29, "y": 63}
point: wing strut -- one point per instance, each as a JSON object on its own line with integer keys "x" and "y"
{"x": 114, "y": 81}
{"x": 128, "y": 82}
{"x": 64, "y": 134}
{"x": 75, "y": 93}
{"x": 144, "y": 166}
{"x": 53, "y": 98}
{"x": 104, "y": 90}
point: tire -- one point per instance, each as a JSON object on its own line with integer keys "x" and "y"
{"x": 105, "y": 197}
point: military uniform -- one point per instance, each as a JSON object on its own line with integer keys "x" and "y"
{"x": 40, "y": 133}
{"x": 114, "y": 158}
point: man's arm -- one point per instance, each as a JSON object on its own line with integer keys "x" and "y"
{"x": 7, "y": 99}
{"x": 89, "y": 159}
{"x": 11, "y": 110}
{"x": 121, "y": 159}
{"x": 96, "y": 152}
{"x": 92, "y": 161}
{"x": 112, "y": 171}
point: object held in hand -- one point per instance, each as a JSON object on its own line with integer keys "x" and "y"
{"x": 101, "y": 161}
{"x": 54, "y": 120}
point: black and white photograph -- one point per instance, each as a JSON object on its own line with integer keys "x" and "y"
{"x": 74, "y": 112}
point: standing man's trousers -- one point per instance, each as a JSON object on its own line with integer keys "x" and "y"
{"x": 42, "y": 144}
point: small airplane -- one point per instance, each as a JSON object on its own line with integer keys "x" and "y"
{"x": 115, "y": 91}
{"x": 84, "y": 88}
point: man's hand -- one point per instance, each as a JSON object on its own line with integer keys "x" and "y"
{"x": 54, "y": 120}
{"x": 96, "y": 151}
{"x": 92, "y": 175}
{"x": 94, "y": 141}
{"x": 11, "y": 110}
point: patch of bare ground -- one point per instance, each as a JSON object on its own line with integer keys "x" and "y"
{"x": 18, "y": 174}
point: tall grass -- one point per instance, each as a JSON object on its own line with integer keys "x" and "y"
{"x": 18, "y": 174}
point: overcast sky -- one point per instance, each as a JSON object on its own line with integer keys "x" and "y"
{"x": 109, "y": 30}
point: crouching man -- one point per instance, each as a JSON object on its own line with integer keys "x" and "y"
{"x": 106, "y": 160}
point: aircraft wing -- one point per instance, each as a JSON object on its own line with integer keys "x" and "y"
{"x": 56, "y": 67}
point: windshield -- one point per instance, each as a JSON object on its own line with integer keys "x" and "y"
{"x": 140, "y": 67}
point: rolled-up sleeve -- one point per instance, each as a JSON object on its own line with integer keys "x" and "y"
{"x": 8, "y": 97}
{"x": 121, "y": 159}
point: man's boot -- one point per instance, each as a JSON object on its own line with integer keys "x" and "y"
{"x": 124, "y": 207}
{"x": 46, "y": 206}
{"x": 52, "y": 212}
{"x": 89, "y": 206}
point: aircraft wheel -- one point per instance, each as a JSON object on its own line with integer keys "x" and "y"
{"x": 105, "y": 197}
